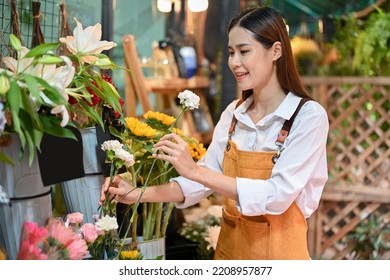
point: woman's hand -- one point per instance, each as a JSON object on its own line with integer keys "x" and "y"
{"x": 120, "y": 190}
{"x": 174, "y": 149}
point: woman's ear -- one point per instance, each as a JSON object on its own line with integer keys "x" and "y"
{"x": 276, "y": 50}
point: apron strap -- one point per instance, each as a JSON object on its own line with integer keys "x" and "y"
{"x": 283, "y": 132}
{"x": 288, "y": 124}
{"x": 234, "y": 120}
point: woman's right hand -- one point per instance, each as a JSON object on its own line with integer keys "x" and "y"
{"x": 120, "y": 190}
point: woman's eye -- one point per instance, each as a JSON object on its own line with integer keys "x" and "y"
{"x": 244, "y": 52}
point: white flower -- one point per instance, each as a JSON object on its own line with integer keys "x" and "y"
{"x": 111, "y": 145}
{"x": 59, "y": 77}
{"x": 87, "y": 42}
{"x": 22, "y": 64}
{"x": 107, "y": 223}
{"x": 125, "y": 156}
{"x": 190, "y": 99}
{"x": 3, "y": 120}
{"x": 215, "y": 210}
{"x": 212, "y": 236}
{"x": 61, "y": 109}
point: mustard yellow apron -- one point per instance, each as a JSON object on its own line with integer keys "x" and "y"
{"x": 265, "y": 237}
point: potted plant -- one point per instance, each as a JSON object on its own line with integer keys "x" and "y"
{"x": 36, "y": 88}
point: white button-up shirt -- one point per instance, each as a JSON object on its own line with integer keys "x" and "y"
{"x": 299, "y": 174}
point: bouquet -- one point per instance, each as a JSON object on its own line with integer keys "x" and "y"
{"x": 133, "y": 151}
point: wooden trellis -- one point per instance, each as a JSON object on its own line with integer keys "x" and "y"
{"x": 358, "y": 159}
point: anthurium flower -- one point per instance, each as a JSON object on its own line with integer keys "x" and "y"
{"x": 86, "y": 42}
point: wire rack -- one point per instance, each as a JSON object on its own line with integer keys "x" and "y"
{"x": 50, "y": 22}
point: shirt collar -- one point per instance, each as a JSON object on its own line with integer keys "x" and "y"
{"x": 285, "y": 110}
{"x": 288, "y": 106}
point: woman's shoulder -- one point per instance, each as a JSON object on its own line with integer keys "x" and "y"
{"x": 314, "y": 107}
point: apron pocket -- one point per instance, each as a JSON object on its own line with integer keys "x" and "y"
{"x": 241, "y": 239}
{"x": 254, "y": 239}
{"x": 228, "y": 238}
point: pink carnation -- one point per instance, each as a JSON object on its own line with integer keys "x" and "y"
{"x": 75, "y": 218}
{"x": 89, "y": 232}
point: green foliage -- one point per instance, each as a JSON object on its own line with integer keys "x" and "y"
{"x": 362, "y": 44}
{"x": 371, "y": 238}
{"x": 372, "y": 54}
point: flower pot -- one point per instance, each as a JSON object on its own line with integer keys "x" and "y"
{"x": 83, "y": 194}
{"x": 30, "y": 199}
{"x": 150, "y": 249}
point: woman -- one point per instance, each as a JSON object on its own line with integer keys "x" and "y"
{"x": 268, "y": 154}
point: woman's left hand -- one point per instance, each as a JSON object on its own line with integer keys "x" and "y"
{"x": 174, "y": 149}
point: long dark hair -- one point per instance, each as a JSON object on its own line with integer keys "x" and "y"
{"x": 268, "y": 27}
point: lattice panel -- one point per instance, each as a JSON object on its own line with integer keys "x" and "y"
{"x": 359, "y": 135}
{"x": 338, "y": 219}
{"x": 358, "y": 160}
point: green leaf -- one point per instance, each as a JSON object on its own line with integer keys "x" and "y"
{"x": 51, "y": 92}
{"x": 52, "y": 126}
{"x": 15, "y": 42}
{"x": 42, "y": 49}
{"x": 49, "y": 59}
{"x": 91, "y": 112}
{"x": 14, "y": 100}
{"x": 106, "y": 92}
{"x": 28, "y": 114}
{"x": 32, "y": 84}
{"x": 6, "y": 159}
{"x": 116, "y": 133}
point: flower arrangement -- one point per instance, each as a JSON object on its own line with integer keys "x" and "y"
{"x": 38, "y": 86}
{"x": 133, "y": 151}
{"x": 101, "y": 237}
{"x": 202, "y": 226}
{"x": 70, "y": 239}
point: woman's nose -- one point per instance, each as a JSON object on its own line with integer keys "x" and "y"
{"x": 235, "y": 61}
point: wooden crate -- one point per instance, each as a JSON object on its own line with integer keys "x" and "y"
{"x": 358, "y": 159}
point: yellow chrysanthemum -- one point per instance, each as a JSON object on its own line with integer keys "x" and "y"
{"x": 197, "y": 150}
{"x": 130, "y": 255}
{"x": 163, "y": 118}
{"x": 140, "y": 128}
{"x": 177, "y": 131}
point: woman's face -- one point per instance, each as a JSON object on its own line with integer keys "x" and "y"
{"x": 250, "y": 62}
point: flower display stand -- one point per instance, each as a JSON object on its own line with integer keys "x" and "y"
{"x": 150, "y": 249}
{"x": 83, "y": 194}
{"x": 30, "y": 199}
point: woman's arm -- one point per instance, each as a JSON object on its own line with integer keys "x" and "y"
{"x": 123, "y": 192}
{"x": 174, "y": 149}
